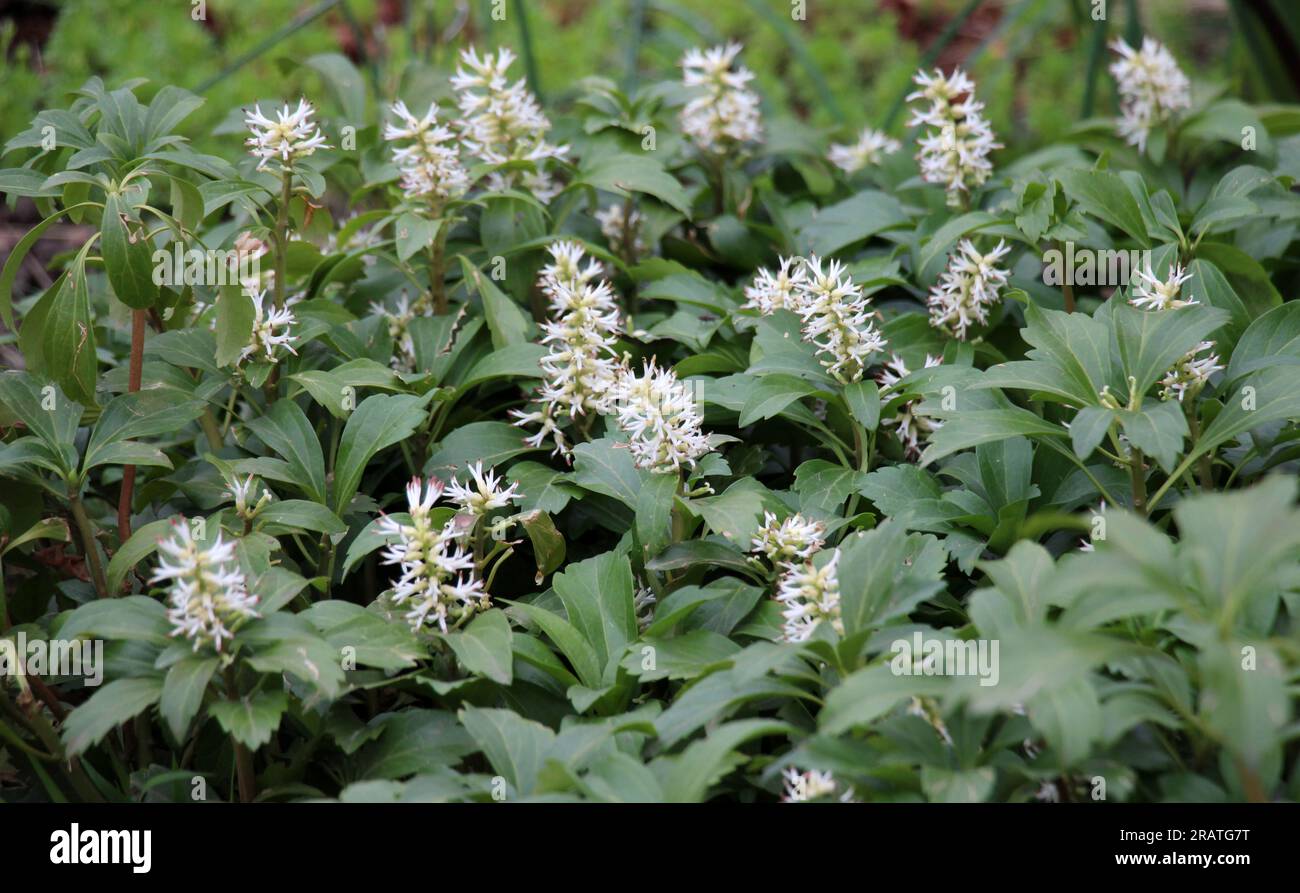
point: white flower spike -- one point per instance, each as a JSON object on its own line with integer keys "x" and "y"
{"x": 207, "y": 597}
{"x": 288, "y": 138}
{"x": 1152, "y": 88}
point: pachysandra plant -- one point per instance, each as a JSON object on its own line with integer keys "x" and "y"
{"x": 659, "y": 454}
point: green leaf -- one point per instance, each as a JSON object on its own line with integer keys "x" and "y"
{"x": 235, "y": 317}
{"x": 253, "y": 719}
{"x": 568, "y": 639}
{"x": 489, "y": 442}
{"x": 108, "y": 708}
{"x": 868, "y": 694}
{"x": 1148, "y": 343}
{"x": 1104, "y": 195}
{"x": 1157, "y": 430}
{"x": 851, "y": 220}
{"x": 142, "y": 414}
{"x": 962, "y": 430}
{"x": 292, "y": 515}
{"x": 516, "y": 747}
{"x": 142, "y": 543}
{"x": 602, "y": 466}
{"x": 128, "y": 258}
{"x": 68, "y": 338}
{"x": 548, "y": 542}
{"x": 344, "y": 81}
{"x": 597, "y": 595}
{"x": 414, "y": 234}
{"x": 1264, "y": 396}
{"x": 770, "y": 395}
{"x": 654, "y": 513}
{"x": 624, "y": 173}
{"x": 1271, "y": 340}
{"x": 484, "y": 647}
{"x": 379, "y": 422}
{"x": 182, "y": 692}
{"x": 505, "y": 319}
{"x": 414, "y": 742}
{"x": 688, "y": 777}
{"x": 863, "y": 399}
{"x": 286, "y": 430}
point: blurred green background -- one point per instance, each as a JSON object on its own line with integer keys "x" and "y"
{"x": 1039, "y": 64}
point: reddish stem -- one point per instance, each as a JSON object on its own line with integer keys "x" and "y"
{"x": 135, "y": 373}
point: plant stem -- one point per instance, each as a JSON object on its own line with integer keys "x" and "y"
{"x": 243, "y": 759}
{"x": 134, "y": 374}
{"x": 271, "y": 387}
{"x": 437, "y": 275}
{"x": 87, "y": 532}
{"x": 1067, "y": 289}
{"x": 1137, "y": 475}
{"x": 1203, "y": 465}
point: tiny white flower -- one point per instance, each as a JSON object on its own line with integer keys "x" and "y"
{"x": 771, "y": 292}
{"x": 1151, "y": 89}
{"x": 580, "y": 368}
{"x": 954, "y": 150}
{"x": 244, "y": 493}
{"x": 836, "y": 320}
{"x": 724, "y": 116}
{"x": 970, "y": 285}
{"x": 801, "y": 787}
{"x": 912, "y": 427}
{"x": 623, "y": 231}
{"x": 503, "y": 122}
{"x": 207, "y": 596}
{"x": 643, "y": 606}
{"x": 660, "y": 416}
{"x": 270, "y": 331}
{"x": 1191, "y": 373}
{"x": 291, "y": 136}
{"x": 870, "y": 150}
{"x": 482, "y": 491}
{"x": 437, "y": 583}
{"x": 810, "y": 595}
{"x": 430, "y": 164}
{"x": 1150, "y": 293}
{"x": 794, "y": 539}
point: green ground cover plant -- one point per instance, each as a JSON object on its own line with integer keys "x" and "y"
{"x": 433, "y": 449}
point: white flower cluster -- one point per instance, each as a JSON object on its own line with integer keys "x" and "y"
{"x": 724, "y": 116}
{"x": 660, "y": 416}
{"x": 481, "y": 492}
{"x": 581, "y": 367}
{"x": 1190, "y": 373}
{"x": 801, "y": 787}
{"x": 771, "y": 292}
{"x": 437, "y": 584}
{"x": 912, "y": 428}
{"x": 622, "y": 230}
{"x": 954, "y": 151}
{"x": 270, "y": 331}
{"x": 870, "y": 150}
{"x": 293, "y": 135}
{"x": 970, "y": 285}
{"x": 810, "y": 595}
{"x": 836, "y": 319}
{"x": 1193, "y": 370}
{"x": 430, "y": 162}
{"x": 784, "y": 542}
{"x": 1149, "y": 293}
{"x": 208, "y": 598}
{"x": 503, "y": 122}
{"x": 244, "y": 493}
{"x": 1151, "y": 88}
{"x": 830, "y": 305}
